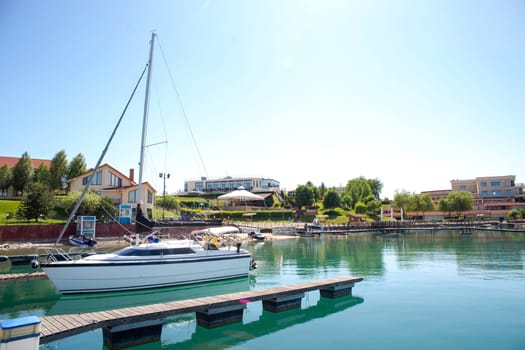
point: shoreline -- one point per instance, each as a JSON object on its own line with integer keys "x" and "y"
{"x": 24, "y": 248}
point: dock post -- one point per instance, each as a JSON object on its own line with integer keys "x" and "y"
{"x": 220, "y": 316}
{"x": 20, "y": 333}
{"x": 337, "y": 290}
{"x": 283, "y": 303}
{"x": 126, "y": 335}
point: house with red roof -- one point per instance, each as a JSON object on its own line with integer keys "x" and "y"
{"x": 11, "y": 162}
{"x": 107, "y": 182}
{"x": 121, "y": 189}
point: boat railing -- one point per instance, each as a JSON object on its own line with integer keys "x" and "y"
{"x": 52, "y": 254}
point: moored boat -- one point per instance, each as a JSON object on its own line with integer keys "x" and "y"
{"x": 82, "y": 241}
{"x": 149, "y": 265}
{"x": 160, "y": 263}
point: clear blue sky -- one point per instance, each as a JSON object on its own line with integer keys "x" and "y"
{"x": 414, "y": 93}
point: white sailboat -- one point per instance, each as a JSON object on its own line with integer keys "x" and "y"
{"x": 146, "y": 265}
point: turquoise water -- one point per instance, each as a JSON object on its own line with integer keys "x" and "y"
{"x": 424, "y": 291}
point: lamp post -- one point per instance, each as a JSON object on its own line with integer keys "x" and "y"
{"x": 164, "y": 176}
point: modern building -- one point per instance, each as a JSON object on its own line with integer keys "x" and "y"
{"x": 488, "y": 192}
{"x": 11, "y": 162}
{"x": 491, "y": 187}
{"x": 121, "y": 189}
{"x": 229, "y": 183}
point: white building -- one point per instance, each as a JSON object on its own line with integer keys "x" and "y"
{"x": 229, "y": 183}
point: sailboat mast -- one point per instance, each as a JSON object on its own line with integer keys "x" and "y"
{"x": 145, "y": 118}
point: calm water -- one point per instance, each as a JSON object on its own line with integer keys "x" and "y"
{"x": 422, "y": 291}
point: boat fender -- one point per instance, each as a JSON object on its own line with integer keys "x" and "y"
{"x": 238, "y": 247}
{"x": 253, "y": 265}
{"x": 35, "y": 264}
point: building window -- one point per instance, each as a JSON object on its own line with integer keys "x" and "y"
{"x": 3, "y": 192}
{"x": 462, "y": 187}
{"x": 495, "y": 183}
{"x": 198, "y": 186}
{"x": 114, "y": 180}
{"x": 508, "y": 193}
{"x": 150, "y": 197}
{"x": 483, "y": 184}
{"x": 496, "y": 193}
{"x": 484, "y": 194}
{"x": 97, "y": 179}
{"x": 132, "y": 196}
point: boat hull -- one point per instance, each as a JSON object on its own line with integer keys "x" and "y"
{"x": 98, "y": 276}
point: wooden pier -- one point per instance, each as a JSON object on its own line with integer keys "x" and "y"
{"x": 20, "y": 277}
{"x": 58, "y": 327}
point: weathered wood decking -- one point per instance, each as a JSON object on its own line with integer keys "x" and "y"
{"x": 18, "y": 277}
{"x": 58, "y": 327}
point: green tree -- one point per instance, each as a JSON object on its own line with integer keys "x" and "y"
{"x": 41, "y": 174}
{"x": 460, "y": 201}
{"x": 76, "y": 167}
{"x": 420, "y": 203}
{"x": 322, "y": 190}
{"x": 6, "y": 177}
{"x": 58, "y": 170}
{"x": 304, "y": 195}
{"x": 89, "y": 206}
{"x": 22, "y": 173}
{"x": 269, "y": 201}
{"x": 346, "y": 200}
{"x": 514, "y": 214}
{"x": 359, "y": 191}
{"x": 360, "y": 208}
{"x": 168, "y": 202}
{"x": 315, "y": 190}
{"x": 331, "y": 199}
{"x": 106, "y": 208}
{"x": 402, "y": 200}
{"x": 38, "y": 202}
{"x": 376, "y": 186}
{"x": 373, "y": 206}
{"x": 443, "y": 205}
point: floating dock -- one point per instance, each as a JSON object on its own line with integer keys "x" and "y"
{"x": 20, "y": 277}
{"x": 120, "y": 325}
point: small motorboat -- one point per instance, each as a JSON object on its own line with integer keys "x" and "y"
{"x": 256, "y": 234}
{"x": 82, "y": 241}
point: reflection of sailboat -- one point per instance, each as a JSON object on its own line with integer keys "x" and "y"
{"x": 71, "y": 304}
{"x": 19, "y": 297}
{"x": 167, "y": 263}
{"x": 41, "y": 296}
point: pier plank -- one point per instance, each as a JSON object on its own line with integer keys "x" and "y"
{"x": 20, "y": 277}
{"x": 58, "y": 327}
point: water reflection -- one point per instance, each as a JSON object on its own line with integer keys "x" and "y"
{"x": 482, "y": 254}
{"x": 485, "y": 255}
{"x": 319, "y": 257}
{"x": 40, "y": 297}
{"x": 183, "y": 333}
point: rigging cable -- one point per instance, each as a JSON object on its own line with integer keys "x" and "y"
{"x": 90, "y": 178}
{"x": 181, "y": 106}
